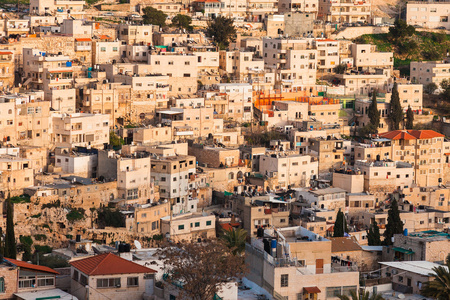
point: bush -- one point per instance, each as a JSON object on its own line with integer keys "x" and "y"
{"x": 40, "y": 237}
{"x": 37, "y": 215}
{"x": 26, "y": 240}
{"x": 111, "y": 218}
{"x": 54, "y": 204}
{"x": 20, "y": 199}
{"x": 43, "y": 249}
{"x": 51, "y": 261}
{"x": 75, "y": 215}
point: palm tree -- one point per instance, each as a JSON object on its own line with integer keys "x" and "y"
{"x": 364, "y": 296}
{"x": 235, "y": 239}
{"x": 439, "y": 288}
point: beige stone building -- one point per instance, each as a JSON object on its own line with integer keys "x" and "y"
{"x": 366, "y": 57}
{"x": 426, "y": 72}
{"x": 292, "y": 170}
{"x": 362, "y": 83}
{"x": 327, "y": 55}
{"x": 16, "y": 174}
{"x": 294, "y": 271}
{"x": 7, "y": 68}
{"x": 135, "y": 34}
{"x": 428, "y": 14}
{"x": 345, "y": 11}
{"x": 310, "y": 6}
{"x": 147, "y": 218}
{"x": 189, "y": 227}
{"x": 384, "y": 177}
{"x": 110, "y": 275}
{"x": 80, "y": 129}
{"x": 241, "y": 66}
{"x": 293, "y": 61}
{"x": 329, "y": 151}
{"x": 432, "y": 196}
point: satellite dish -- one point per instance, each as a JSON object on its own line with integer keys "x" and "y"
{"x": 401, "y": 296}
{"x": 138, "y": 245}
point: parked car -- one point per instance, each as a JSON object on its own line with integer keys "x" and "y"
{"x": 441, "y": 27}
{"x": 109, "y": 14}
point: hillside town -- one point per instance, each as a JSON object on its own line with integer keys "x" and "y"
{"x": 211, "y": 149}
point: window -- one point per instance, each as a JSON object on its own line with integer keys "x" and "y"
{"x": 46, "y": 281}
{"x": 75, "y": 275}
{"x": 284, "y": 280}
{"x": 208, "y": 223}
{"x": 83, "y": 280}
{"x": 180, "y": 227}
{"x": 108, "y": 282}
{"x": 2, "y": 285}
{"x": 334, "y": 291}
{"x": 197, "y": 224}
{"x": 133, "y": 281}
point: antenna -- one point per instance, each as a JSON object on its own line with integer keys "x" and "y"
{"x": 137, "y": 244}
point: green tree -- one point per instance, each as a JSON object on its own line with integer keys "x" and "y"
{"x": 27, "y": 242}
{"x": 394, "y": 223}
{"x": 154, "y": 16}
{"x": 182, "y": 21}
{"x": 374, "y": 113}
{"x": 401, "y": 30}
{"x": 364, "y": 296}
{"x": 340, "y": 226}
{"x": 368, "y": 129}
{"x": 373, "y": 235}
{"x": 445, "y": 86}
{"x": 430, "y": 88}
{"x": 409, "y": 118}
{"x": 110, "y": 218}
{"x": 201, "y": 268}
{"x": 439, "y": 288}
{"x": 396, "y": 114}
{"x": 10, "y": 239}
{"x": 235, "y": 240}
{"x": 340, "y": 69}
{"x": 115, "y": 140}
{"x": 221, "y": 30}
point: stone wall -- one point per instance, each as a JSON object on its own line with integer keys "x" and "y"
{"x": 354, "y": 32}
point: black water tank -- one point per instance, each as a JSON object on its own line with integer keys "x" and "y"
{"x": 127, "y": 248}
{"x": 78, "y": 238}
{"x": 121, "y": 248}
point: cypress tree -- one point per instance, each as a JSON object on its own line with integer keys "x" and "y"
{"x": 394, "y": 223}
{"x": 374, "y": 113}
{"x": 340, "y": 226}
{"x": 409, "y": 118}
{"x": 396, "y": 114}
{"x": 373, "y": 235}
{"x": 10, "y": 239}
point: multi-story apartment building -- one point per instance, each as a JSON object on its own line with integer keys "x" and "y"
{"x": 72, "y": 8}
{"x": 241, "y": 66}
{"x": 432, "y": 196}
{"x": 308, "y": 6}
{"x": 172, "y": 173}
{"x": 147, "y": 217}
{"x": 331, "y": 198}
{"x": 294, "y": 62}
{"x": 329, "y": 151}
{"x": 362, "y": 83}
{"x": 16, "y": 174}
{"x": 47, "y": 72}
{"x": 181, "y": 68}
{"x": 327, "y": 54}
{"x": 293, "y": 271}
{"x": 423, "y": 149}
{"x": 366, "y": 57}
{"x": 136, "y": 34}
{"x": 189, "y": 227}
{"x": 258, "y": 10}
{"x": 384, "y": 177}
{"x": 426, "y": 72}
{"x": 410, "y": 95}
{"x": 345, "y": 11}
{"x": 362, "y": 114}
{"x": 291, "y": 170}
{"x": 428, "y": 14}
{"x": 7, "y": 68}
{"x": 240, "y": 106}
{"x": 80, "y": 129}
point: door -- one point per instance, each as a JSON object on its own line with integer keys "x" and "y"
{"x": 319, "y": 266}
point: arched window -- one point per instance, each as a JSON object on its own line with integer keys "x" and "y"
{"x": 231, "y": 176}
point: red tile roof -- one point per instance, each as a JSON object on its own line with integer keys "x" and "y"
{"x": 25, "y": 265}
{"x": 397, "y": 135}
{"x": 229, "y": 226}
{"x": 108, "y": 264}
{"x": 411, "y": 134}
{"x": 425, "y": 134}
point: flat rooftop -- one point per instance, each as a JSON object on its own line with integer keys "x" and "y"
{"x": 423, "y": 268}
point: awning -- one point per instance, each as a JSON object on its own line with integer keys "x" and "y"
{"x": 61, "y": 71}
{"x": 312, "y": 290}
{"x": 402, "y": 250}
{"x": 83, "y": 40}
{"x": 169, "y": 112}
{"x": 5, "y": 53}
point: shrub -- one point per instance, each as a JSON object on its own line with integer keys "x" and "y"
{"x": 75, "y": 215}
